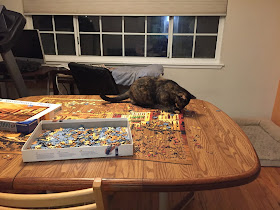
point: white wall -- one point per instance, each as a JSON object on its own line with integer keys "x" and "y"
{"x": 14, "y": 5}
{"x": 247, "y": 85}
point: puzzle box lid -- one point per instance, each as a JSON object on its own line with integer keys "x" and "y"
{"x": 23, "y": 116}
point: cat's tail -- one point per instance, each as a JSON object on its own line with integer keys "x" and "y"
{"x": 117, "y": 98}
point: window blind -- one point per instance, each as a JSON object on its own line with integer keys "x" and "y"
{"x": 126, "y": 7}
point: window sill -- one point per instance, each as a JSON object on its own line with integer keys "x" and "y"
{"x": 112, "y": 60}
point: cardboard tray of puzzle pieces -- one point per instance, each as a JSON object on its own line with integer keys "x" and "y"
{"x": 78, "y": 139}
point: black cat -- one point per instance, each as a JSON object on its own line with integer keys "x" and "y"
{"x": 155, "y": 92}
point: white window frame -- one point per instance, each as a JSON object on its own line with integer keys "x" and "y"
{"x": 201, "y": 63}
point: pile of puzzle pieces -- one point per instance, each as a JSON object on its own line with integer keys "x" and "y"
{"x": 69, "y": 137}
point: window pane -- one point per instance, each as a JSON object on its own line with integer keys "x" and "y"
{"x": 183, "y": 24}
{"x": 112, "y": 45}
{"x": 205, "y": 46}
{"x": 112, "y": 24}
{"x": 182, "y": 46}
{"x": 65, "y": 44}
{"x": 63, "y": 23}
{"x": 157, "y": 46}
{"x": 90, "y": 44}
{"x": 134, "y": 24}
{"x": 42, "y": 22}
{"x": 48, "y": 44}
{"x": 89, "y": 23}
{"x": 158, "y": 24}
{"x": 207, "y": 24}
{"x": 134, "y": 45}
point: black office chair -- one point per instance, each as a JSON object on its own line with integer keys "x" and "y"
{"x": 92, "y": 80}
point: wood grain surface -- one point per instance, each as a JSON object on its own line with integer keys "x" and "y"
{"x": 262, "y": 193}
{"x": 222, "y": 156}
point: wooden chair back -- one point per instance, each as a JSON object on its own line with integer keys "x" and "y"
{"x": 73, "y": 200}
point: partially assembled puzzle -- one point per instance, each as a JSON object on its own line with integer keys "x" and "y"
{"x": 157, "y": 135}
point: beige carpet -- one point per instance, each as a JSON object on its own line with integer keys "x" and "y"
{"x": 267, "y": 148}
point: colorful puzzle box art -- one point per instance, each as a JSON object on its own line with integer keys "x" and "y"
{"x": 24, "y": 116}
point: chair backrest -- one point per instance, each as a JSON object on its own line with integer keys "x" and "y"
{"x": 92, "y": 80}
{"x": 80, "y": 199}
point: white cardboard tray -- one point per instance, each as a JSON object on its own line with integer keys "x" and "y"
{"x": 33, "y": 155}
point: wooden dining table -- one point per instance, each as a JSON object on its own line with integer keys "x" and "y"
{"x": 220, "y": 154}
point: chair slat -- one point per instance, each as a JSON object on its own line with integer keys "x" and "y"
{"x": 90, "y": 198}
{"x": 84, "y": 207}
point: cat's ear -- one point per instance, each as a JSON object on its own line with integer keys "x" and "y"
{"x": 182, "y": 95}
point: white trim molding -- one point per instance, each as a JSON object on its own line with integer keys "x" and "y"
{"x": 116, "y": 60}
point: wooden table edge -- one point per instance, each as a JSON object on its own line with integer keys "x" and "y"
{"x": 6, "y": 183}
{"x": 183, "y": 185}
{"x": 147, "y": 185}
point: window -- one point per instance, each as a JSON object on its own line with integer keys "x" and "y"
{"x": 184, "y": 38}
{"x": 194, "y": 37}
{"x": 57, "y": 34}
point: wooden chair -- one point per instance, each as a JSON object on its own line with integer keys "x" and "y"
{"x": 85, "y": 199}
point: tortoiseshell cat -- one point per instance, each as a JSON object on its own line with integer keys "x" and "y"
{"x": 155, "y": 92}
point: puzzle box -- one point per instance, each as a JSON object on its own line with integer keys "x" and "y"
{"x": 24, "y": 116}
{"x": 81, "y": 152}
